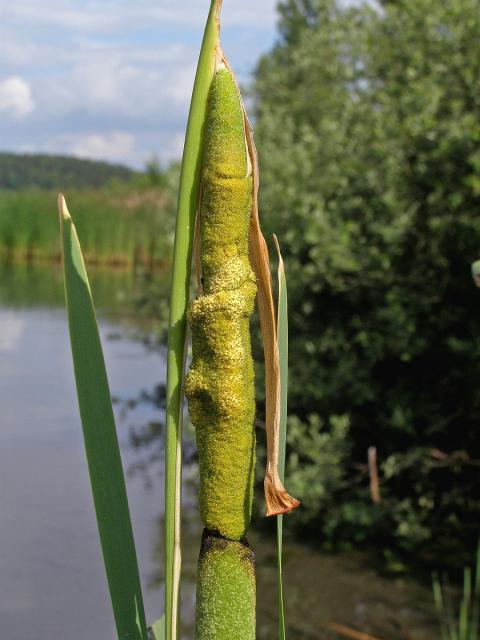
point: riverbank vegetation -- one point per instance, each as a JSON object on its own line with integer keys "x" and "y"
{"x": 367, "y": 124}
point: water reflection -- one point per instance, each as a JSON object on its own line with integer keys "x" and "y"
{"x": 51, "y": 573}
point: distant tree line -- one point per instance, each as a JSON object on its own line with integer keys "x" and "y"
{"x": 19, "y": 171}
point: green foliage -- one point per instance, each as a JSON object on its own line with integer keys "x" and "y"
{"x": 53, "y": 172}
{"x": 317, "y": 464}
{"x": 368, "y": 128}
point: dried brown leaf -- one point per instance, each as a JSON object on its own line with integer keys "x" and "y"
{"x": 277, "y": 499}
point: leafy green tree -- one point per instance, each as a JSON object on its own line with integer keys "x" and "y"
{"x": 368, "y": 127}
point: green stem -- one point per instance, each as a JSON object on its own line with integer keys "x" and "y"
{"x": 282, "y": 337}
{"x": 179, "y": 296}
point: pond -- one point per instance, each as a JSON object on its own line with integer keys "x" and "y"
{"x": 52, "y": 583}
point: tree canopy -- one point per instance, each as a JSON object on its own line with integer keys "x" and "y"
{"x": 368, "y": 128}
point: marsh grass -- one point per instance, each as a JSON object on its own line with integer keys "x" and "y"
{"x": 119, "y": 225}
{"x": 282, "y": 337}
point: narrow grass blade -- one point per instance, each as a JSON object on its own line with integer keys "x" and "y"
{"x": 179, "y": 297}
{"x": 465, "y": 604}
{"x": 158, "y": 629}
{"x": 282, "y": 338}
{"x": 476, "y": 598}
{"x": 101, "y": 444}
{"x": 439, "y": 605}
{"x": 450, "y": 618}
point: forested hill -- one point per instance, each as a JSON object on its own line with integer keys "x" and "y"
{"x": 56, "y": 172}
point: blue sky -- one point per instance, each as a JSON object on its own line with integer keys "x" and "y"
{"x": 111, "y": 79}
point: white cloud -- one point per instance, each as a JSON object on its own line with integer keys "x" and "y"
{"x": 18, "y": 51}
{"x": 116, "y": 88}
{"x": 114, "y": 146}
{"x": 16, "y": 96}
{"x": 100, "y": 76}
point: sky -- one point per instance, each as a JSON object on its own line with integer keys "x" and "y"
{"x": 111, "y": 79}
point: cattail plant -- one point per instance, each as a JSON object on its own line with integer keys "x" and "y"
{"x": 217, "y": 213}
{"x": 220, "y": 385}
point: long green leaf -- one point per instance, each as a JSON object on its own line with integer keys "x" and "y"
{"x": 101, "y": 443}
{"x": 179, "y": 297}
{"x": 449, "y": 610}
{"x": 282, "y": 337}
{"x": 465, "y": 604}
{"x": 158, "y": 629}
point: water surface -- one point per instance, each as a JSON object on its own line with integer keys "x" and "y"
{"x": 52, "y": 582}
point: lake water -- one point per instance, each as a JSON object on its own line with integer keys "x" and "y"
{"x": 52, "y": 583}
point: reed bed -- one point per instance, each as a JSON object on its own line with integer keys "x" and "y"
{"x": 120, "y": 225}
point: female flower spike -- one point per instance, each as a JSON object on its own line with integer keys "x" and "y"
{"x": 220, "y": 385}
